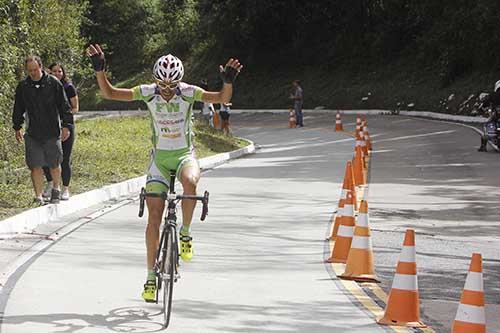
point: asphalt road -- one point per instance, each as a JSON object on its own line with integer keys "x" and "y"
{"x": 258, "y": 263}
{"x": 427, "y": 175}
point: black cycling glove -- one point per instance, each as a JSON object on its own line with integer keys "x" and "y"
{"x": 98, "y": 63}
{"x": 229, "y": 74}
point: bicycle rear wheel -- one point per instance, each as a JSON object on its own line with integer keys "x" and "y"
{"x": 169, "y": 273}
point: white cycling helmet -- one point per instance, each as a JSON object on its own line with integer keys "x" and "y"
{"x": 168, "y": 68}
{"x": 497, "y": 85}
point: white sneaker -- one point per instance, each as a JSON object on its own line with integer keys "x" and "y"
{"x": 65, "y": 195}
{"x": 47, "y": 192}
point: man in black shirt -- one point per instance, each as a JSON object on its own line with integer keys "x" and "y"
{"x": 42, "y": 103}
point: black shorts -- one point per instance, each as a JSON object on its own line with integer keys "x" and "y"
{"x": 224, "y": 115}
{"x": 43, "y": 153}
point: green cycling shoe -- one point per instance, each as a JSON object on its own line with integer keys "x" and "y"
{"x": 186, "y": 243}
{"x": 149, "y": 293}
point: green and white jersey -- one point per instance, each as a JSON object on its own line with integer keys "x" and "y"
{"x": 171, "y": 121}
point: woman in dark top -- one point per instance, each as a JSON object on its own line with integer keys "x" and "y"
{"x": 58, "y": 71}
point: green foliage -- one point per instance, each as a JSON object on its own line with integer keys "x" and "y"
{"x": 124, "y": 29}
{"x": 179, "y": 25}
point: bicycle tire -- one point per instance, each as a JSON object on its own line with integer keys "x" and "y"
{"x": 169, "y": 274}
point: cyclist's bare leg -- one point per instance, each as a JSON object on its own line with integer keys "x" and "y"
{"x": 155, "y": 213}
{"x": 189, "y": 177}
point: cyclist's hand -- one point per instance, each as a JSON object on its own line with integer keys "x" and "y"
{"x": 19, "y": 136}
{"x": 230, "y": 71}
{"x": 97, "y": 57}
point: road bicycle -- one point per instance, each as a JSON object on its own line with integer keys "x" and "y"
{"x": 166, "y": 265}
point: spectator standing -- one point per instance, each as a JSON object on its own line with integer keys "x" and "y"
{"x": 41, "y": 101}
{"x": 225, "y": 112}
{"x": 208, "y": 113}
{"x": 59, "y": 72}
{"x": 298, "y": 99}
{"x": 207, "y": 110}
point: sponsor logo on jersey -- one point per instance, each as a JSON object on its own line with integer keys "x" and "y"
{"x": 167, "y": 107}
{"x": 167, "y": 122}
{"x": 171, "y": 135}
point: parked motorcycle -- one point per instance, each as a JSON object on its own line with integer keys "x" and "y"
{"x": 491, "y": 129}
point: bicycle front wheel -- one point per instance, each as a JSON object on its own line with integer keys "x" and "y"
{"x": 169, "y": 273}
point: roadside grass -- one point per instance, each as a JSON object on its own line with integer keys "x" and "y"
{"x": 106, "y": 151}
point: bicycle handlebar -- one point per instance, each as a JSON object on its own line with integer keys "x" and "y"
{"x": 173, "y": 197}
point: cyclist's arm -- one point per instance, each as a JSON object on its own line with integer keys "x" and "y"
{"x": 110, "y": 92}
{"x": 228, "y": 75}
{"x": 223, "y": 96}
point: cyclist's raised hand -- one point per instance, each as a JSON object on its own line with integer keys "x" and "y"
{"x": 97, "y": 57}
{"x": 229, "y": 72}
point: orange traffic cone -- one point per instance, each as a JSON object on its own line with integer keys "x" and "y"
{"x": 346, "y": 187}
{"x": 338, "y": 123}
{"x": 292, "y": 122}
{"x": 366, "y": 135}
{"x": 345, "y": 233}
{"x": 358, "y": 166}
{"x": 403, "y": 305}
{"x": 352, "y": 185}
{"x": 470, "y": 316}
{"x": 359, "y": 139}
{"x": 358, "y": 123}
{"x": 216, "y": 119}
{"x": 363, "y": 143}
{"x": 337, "y": 219}
{"x": 359, "y": 265}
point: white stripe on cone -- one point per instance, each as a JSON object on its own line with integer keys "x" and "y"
{"x": 405, "y": 282}
{"x": 348, "y": 210}
{"x": 362, "y": 220}
{"x": 408, "y": 254}
{"x": 474, "y": 281}
{"x": 345, "y": 231}
{"x": 471, "y": 314}
{"x": 361, "y": 242}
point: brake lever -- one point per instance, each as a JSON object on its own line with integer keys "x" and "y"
{"x": 204, "y": 210}
{"x": 142, "y": 197}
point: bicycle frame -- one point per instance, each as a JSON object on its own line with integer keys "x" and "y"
{"x": 167, "y": 256}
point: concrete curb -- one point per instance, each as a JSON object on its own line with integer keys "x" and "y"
{"x": 30, "y": 219}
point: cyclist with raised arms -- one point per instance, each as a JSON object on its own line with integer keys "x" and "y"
{"x": 170, "y": 102}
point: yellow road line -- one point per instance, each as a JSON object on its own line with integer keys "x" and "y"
{"x": 368, "y": 303}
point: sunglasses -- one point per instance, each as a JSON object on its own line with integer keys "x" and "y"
{"x": 167, "y": 85}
